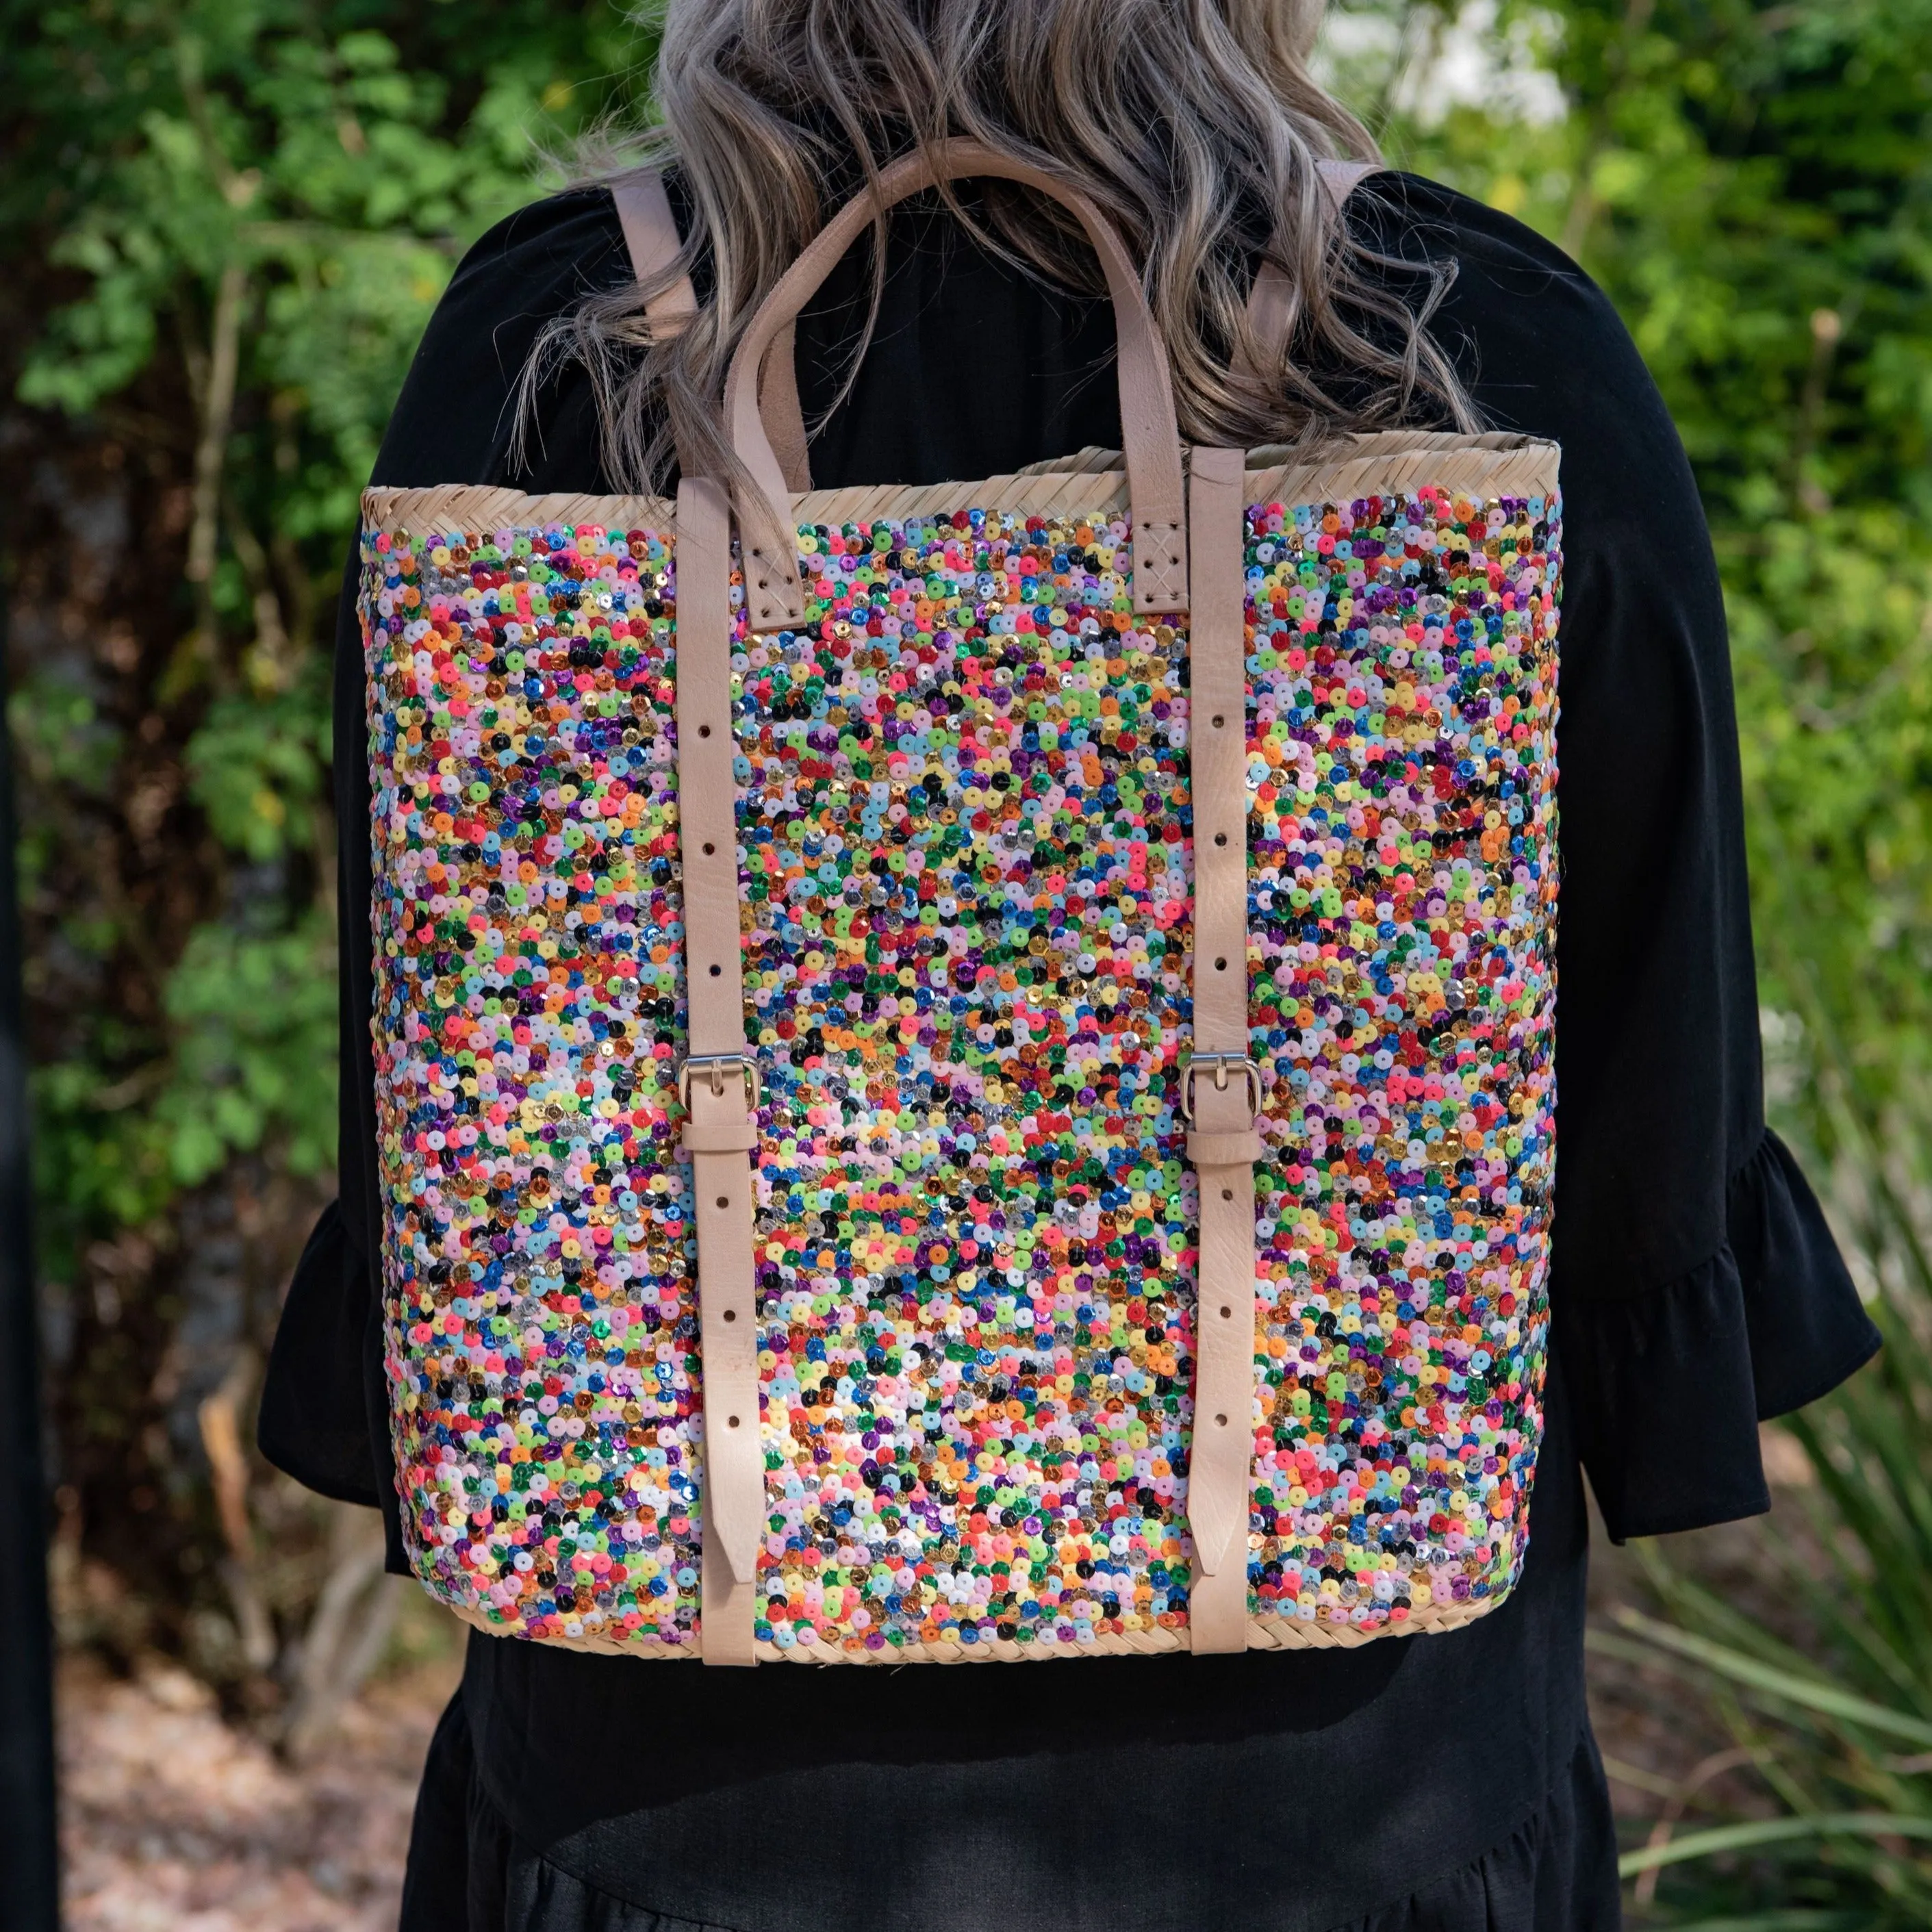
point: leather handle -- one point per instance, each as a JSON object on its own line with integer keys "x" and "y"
{"x": 1149, "y": 435}
{"x": 1270, "y": 313}
{"x": 782, "y": 412}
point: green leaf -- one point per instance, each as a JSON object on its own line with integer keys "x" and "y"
{"x": 256, "y": 765}
{"x": 1812, "y": 1694}
{"x": 1757, "y": 1833}
{"x": 1777, "y": 1921}
{"x": 255, "y": 1045}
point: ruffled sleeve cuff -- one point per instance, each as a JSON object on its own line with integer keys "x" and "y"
{"x": 1668, "y": 1387}
{"x": 315, "y": 1422}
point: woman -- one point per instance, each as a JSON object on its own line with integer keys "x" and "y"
{"x": 1447, "y": 1782}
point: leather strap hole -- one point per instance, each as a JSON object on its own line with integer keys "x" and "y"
{"x": 1219, "y": 722}
{"x": 1220, "y": 838}
{"x": 1227, "y": 1315}
{"x": 1220, "y": 966}
{"x": 709, "y": 849}
{"x": 718, "y": 972}
{"x": 704, "y": 731}
{"x": 1220, "y": 1422}
{"x": 731, "y": 1422}
{"x": 724, "y": 1200}
{"x": 1227, "y": 1194}
{"x": 730, "y": 1314}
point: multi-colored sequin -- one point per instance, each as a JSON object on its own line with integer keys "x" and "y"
{"x": 965, "y": 825}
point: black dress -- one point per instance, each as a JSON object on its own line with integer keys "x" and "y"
{"x": 1448, "y": 1783}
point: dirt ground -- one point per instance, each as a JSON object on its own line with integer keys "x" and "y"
{"x": 176, "y": 1821}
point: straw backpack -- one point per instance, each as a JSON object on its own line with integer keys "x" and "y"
{"x": 965, "y": 1072}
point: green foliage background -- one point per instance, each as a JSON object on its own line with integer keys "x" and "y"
{"x": 225, "y": 224}
{"x": 1753, "y": 185}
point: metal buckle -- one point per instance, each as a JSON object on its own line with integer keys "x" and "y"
{"x": 1220, "y": 1065}
{"x": 713, "y": 1067}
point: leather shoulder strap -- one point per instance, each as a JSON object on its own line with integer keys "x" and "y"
{"x": 1220, "y": 1085}
{"x": 1339, "y": 178}
{"x": 650, "y": 233}
{"x": 1271, "y": 303}
{"x": 718, "y": 1081}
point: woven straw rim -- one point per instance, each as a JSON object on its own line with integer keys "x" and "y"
{"x": 1264, "y": 1633}
{"x": 1089, "y": 482}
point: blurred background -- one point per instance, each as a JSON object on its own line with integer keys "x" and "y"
{"x": 224, "y": 223}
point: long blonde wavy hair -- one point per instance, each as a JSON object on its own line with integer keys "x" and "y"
{"x": 1195, "y": 125}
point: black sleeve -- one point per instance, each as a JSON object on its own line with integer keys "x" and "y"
{"x": 1695, "y": 1289}
{"x": 324, "y": 1416}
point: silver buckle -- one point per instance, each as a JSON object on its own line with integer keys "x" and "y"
{"x": 1220, "y": 1065}
{"x": 713, "y": 1067}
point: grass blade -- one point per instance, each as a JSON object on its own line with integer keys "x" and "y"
{"x": 1799, "y": 1920}
{"x": 1756, "y": 1832}
{"x": 1812, "y": 1694}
